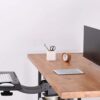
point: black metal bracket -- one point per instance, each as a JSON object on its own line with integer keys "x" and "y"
{"x": 43, "y": 87}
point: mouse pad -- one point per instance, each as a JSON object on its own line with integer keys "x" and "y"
{"x": 68, "y": 71}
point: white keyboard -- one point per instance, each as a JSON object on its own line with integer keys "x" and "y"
{"x": 73, "y": 71}
{"x": 5, "y": 78}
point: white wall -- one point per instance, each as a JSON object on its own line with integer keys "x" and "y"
{"x": 26, "y": 24}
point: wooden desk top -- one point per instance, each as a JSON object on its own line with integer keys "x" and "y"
{"x": 70, "y": 86}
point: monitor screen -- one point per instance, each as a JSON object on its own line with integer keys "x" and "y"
{"x": 92, "y": 44}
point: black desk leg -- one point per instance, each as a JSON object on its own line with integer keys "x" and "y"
{"x": 39, "y": 80}
{"x": 79, "y": 99}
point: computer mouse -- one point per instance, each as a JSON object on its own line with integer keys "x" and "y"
{"x": 6, "y": 84}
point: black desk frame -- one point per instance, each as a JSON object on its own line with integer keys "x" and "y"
{"x": 39, "y": 80}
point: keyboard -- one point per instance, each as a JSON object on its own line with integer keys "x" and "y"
{"x": 5, "y": 78}
{"x": 73, "y": 71}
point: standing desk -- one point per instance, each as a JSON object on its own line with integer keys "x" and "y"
{"x": 69, "y": 86}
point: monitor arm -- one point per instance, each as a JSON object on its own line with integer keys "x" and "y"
{"x": 43, "y": 87}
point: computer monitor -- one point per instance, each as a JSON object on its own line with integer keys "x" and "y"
{"x": 92, "y": 44}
